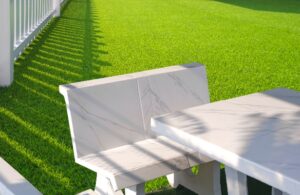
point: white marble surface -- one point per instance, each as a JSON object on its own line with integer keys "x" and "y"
{"x": 111, "y": 112}
{"x": 105, "y": 116}
{"x": 139, "y": 162}
{"x": 177, "y": 90}
{"x": 257, "y": 134}
{"x": 110, "y": 122}
{"x": 13, "y": 183}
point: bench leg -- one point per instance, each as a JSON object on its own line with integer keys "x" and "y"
{"x": 135, "y": 190}
{"x": 207, "y": 181}
{"x": 103, "y": 187}
{"x": 278, "y": 192}
{"x": 236, "y": 182}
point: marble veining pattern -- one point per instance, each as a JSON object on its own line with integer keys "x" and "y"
{"x": 258, "y": 134}
{"x": 110, "y": 122}
{"x": 161, "y": 94}
{"x": 105, "y": 116}
{"x": 108, "y": 114}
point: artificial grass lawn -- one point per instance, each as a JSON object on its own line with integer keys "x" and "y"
{"x": 246, "y": 45}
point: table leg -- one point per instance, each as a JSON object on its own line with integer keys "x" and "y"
{"x": 278, "y": 192}
{"x": 236, "y": 182}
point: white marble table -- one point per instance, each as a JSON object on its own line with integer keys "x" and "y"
{"x": 256, "y": 135}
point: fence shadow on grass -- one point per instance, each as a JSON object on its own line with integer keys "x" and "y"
{"x": 286, "y": 6}
{"x": 34, "y": 132}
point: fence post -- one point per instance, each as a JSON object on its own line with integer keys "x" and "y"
{"x": 6, "y": 42}
{"x": 56, "y": 7}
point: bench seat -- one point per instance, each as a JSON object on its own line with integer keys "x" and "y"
{"x": 141, "y": 161}
{"x": 12, "y": 182}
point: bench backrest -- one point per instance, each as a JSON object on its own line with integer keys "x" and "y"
{"x": 111, "y": 112}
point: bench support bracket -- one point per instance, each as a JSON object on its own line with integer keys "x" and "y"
{"x": 103, "y": 187}
{"x": 135, "y": 190}
{"x": 207, "y": 181}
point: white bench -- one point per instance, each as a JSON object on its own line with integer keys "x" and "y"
{"x": 13, "y": 183}
{"x": 109, "y": 120}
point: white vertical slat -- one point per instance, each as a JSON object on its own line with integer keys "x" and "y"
{"x": 25, "y": 17}
{"x": 56, "y": 8}
{"x": 15, "y": 23}
{"x": 29, "y": 7}
{"x": 42, "y": 9}
{"x": 35, "y": 12}
{"x": 45, "y": 8}
{"x": 28, "y": 16}
{"x": 49, "y": 6}
{"x": 31, "y": 15}
{"x": 39, "y": 12}
{"x": 7, "y": 42}
{"x": 19, "y": 19}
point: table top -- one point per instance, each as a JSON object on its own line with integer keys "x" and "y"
{"x": 257, "y": 134}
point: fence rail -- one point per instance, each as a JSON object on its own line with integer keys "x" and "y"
{"x": 21, "y": 21}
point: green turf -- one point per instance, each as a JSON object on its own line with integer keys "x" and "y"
{"x": 246, "y": 45}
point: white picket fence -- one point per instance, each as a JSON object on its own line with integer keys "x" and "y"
{"x": 20, "y": 22}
